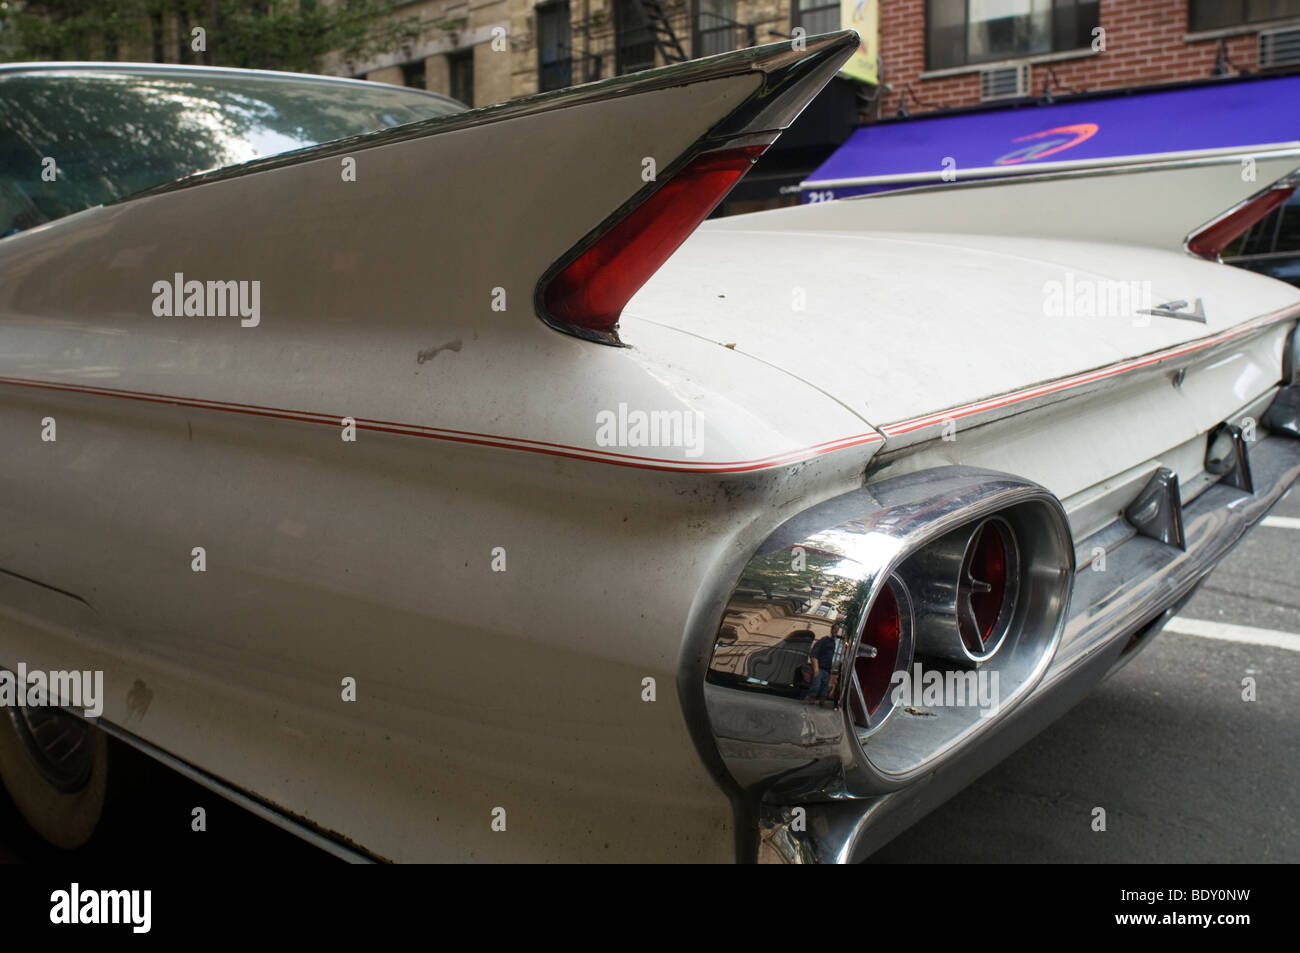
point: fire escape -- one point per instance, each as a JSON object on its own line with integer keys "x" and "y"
{"x": 627, "y": 36}
{"x": 661, "y": 32}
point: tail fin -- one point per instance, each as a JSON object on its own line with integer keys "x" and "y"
{"x": 1163, "y": 204}
{"x": 566, "y": 201}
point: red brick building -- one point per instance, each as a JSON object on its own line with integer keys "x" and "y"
{"x": 938, "y": 54}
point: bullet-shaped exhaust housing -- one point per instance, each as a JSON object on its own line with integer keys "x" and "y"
{"x": 964, "y": 588}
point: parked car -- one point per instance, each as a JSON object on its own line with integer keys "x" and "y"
{"x": 409, "y": 484}
{"x": 1272, "y": 245}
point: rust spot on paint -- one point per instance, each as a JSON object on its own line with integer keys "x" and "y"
{"x": 428, "y": 354}
{"x": 138, "y": 699}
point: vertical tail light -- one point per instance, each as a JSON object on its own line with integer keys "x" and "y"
{"x": 987, "y": 588}
{"x": 884, "y": 649}
{"x": 1210, "y": 241}
{"x": 587, "y": 295}
{"x": 966, "y": 585}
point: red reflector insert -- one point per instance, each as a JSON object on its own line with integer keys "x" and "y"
{"x": 591, "y": 291}
{"x": 883, "y": 632}
{"x": 988, "y": 565}
{"x": 1210, "y": 242}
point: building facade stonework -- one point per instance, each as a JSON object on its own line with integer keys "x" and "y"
{"x": 457, "y": 47}
{"x": 521, "y": 47}
{"x": 935, "y": 54}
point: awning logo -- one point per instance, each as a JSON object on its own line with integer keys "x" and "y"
{"x": 1066, "y": 137}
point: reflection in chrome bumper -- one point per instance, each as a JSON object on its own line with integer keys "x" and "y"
{"x": 1141, "y": 582}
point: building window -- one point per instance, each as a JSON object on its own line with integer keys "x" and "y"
{"x": 413, "y": 74}
{"x": 634, "y": 43}
{"x": 967, "y": 32}
{"x": 816, "y": 16}
{"x": 715, "y": 27}
{"x": 554, "y": 55}
{"x": 1217, "y": 14}
{"x": 461, "y": 67}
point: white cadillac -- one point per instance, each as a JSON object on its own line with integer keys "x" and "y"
{"x": 434, "y": 483}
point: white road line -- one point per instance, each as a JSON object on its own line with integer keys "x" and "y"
{"x": 1234, "y": 633}
{"x": 1281, "y": 522}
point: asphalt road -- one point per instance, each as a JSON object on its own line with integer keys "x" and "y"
{"x": 1186, "y": 770}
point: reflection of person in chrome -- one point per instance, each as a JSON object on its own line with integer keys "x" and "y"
{"x": 821, "y": 658}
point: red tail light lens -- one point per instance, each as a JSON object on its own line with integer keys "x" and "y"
{"x": 881, "y": 633}
{"x": 591, "y": 291}
{"x": 884, "y": 649}
{"x": 989, "y": 584}
{"x": 1211, "y": 241}
{"x": 989, "y": 566}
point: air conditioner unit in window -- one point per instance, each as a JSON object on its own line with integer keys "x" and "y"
{"x": 1279, "y": 48}
{"x": 1004, "y": 82}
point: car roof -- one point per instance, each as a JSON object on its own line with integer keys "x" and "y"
{"x": 7, "y": 69}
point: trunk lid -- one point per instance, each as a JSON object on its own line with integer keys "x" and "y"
{"x": 896, "y": 327}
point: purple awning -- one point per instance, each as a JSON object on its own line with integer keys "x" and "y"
{"x": 1201, "y": 119}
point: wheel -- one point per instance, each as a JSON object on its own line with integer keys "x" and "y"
{"x": 55, "y": 767}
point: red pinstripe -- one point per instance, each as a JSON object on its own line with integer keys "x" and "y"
{"x": 660, "y": 463}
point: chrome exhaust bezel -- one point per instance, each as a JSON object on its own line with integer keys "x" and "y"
{"x": 776, "y": 747}
{"x": 938, "y": 575}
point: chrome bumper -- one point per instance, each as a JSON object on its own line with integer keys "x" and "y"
{"x": 1112, "y": 613}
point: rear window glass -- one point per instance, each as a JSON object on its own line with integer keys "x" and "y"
{"x": 113, "y": 133}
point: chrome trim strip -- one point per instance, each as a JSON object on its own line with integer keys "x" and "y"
{"x": 499, "y": 441}
{"x": 1006, "y": 405}
{"x": 299, "y": 827}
